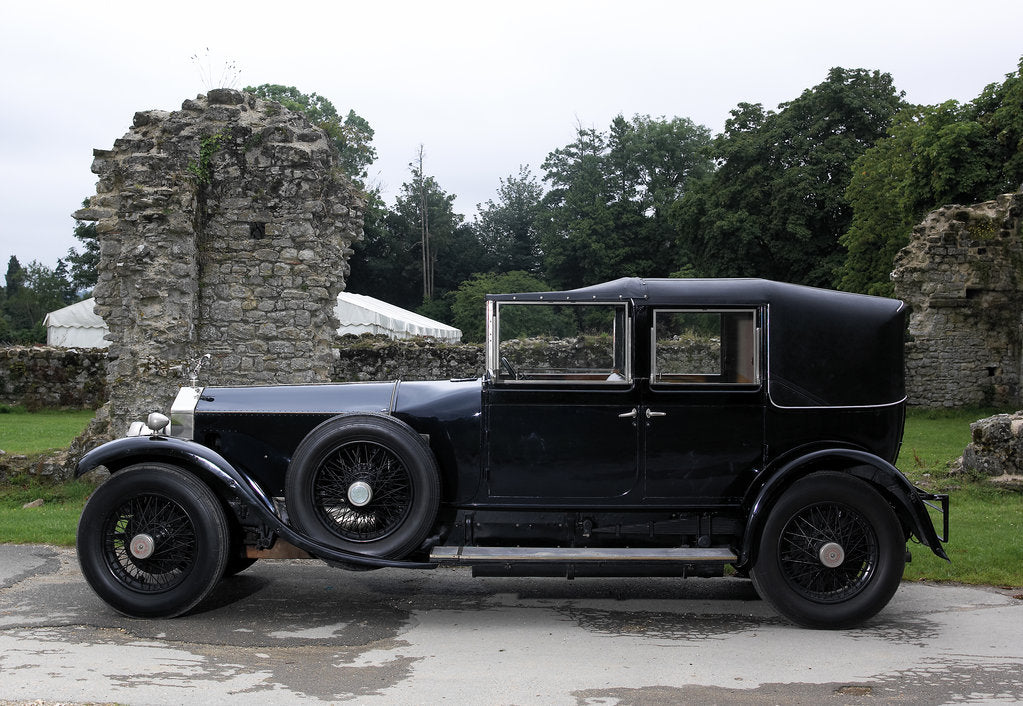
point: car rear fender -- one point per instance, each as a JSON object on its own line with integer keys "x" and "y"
{"x": 230, "y": 482}
{"x": 905, "y": 498}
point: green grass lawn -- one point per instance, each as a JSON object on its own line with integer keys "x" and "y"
{"x": 32, "y": 433}
{"x": 986, "y": 530}
{"x": 24, "y": 432}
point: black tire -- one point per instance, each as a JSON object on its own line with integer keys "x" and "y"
{"x": 831, "y": 554}
{"x": 384, "y": 457}
{"x": 183, "y": 534}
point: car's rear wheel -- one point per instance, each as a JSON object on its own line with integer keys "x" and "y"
{"x": 831, "y": 554}
{"x": 367, "y": 484}
{"x": 153, "y": 541}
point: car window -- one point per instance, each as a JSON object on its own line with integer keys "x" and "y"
{"x": 705, "y": 347}
{"x": 547, "y": 342}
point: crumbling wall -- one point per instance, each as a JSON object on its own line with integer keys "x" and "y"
{"x": 225, "y": 228}
{"x": 961, "y": 275}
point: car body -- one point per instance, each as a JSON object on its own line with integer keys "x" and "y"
{"x": 640, "y": 427}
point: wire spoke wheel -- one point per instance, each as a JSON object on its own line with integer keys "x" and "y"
{"x": 831, "y": 552}
{"x": 358, "y": 465}
{"x": 812, "y": 531}
{"x": 173, "y": 534}
{"x": 153, "y": 541}
{"x": 364, "y": 483}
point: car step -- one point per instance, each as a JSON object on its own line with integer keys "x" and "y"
{"x": 480, "y": 555}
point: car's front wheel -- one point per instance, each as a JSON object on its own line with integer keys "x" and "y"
{"x": 366, "y": 484}
{"x": 831, "y": 554}
{"x": 153, "y": 541}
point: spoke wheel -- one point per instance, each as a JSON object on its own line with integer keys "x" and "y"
{"x": 364, "y": 483}
{"x": 155, "y": 521}
{"x": 831, "y": 554}
{"x": 153, "y": 541}
{"x": 346, "y": 472}
{"x": 833, "y": 530}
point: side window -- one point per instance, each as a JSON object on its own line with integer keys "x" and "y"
{"x": 546, "y": 342}
{"x": 705, "y": 347}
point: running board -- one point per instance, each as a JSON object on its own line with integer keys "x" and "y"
{"x": 561, "y": 555}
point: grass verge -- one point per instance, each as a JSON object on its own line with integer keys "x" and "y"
{"x": 28, "y": 433}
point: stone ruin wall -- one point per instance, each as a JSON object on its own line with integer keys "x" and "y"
{"x": 962, "y": 277}
{"x": 225, "y": 228}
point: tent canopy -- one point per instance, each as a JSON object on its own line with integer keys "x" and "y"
{"x": 78, "y": 326}
{"x": 361, "y": 314}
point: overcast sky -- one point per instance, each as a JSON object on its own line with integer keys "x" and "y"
{"x": 483, "y": 86}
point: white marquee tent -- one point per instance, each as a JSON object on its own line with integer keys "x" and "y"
{"x": 361, "y": 314}
{"x": 78, "y": 326}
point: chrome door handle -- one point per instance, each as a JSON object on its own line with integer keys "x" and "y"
{"x": 655, "y": 414}
{"x": 629, "y": 415}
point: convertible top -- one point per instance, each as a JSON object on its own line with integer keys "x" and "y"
{"x": 826, "y": 348}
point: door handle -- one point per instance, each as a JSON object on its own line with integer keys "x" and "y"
{"x": 629, "y": 415}
{"x": 649, "y": 414}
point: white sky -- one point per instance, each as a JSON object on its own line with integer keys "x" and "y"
{"x": 484, "y": 86}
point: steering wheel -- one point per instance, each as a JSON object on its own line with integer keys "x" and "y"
{"x": 507, "y": 367}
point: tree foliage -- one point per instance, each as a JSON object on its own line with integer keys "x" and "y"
{"x": 352, "y": 135}
{"x": 30, "y": 292}
{"x": 508, "y": 229}
{"x": 776, "y": 206}
{"x": 606, "y": 213}
{"x": 468, "y": 305}
{"x": 932, "y": 155}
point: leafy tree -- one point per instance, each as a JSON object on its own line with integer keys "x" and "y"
{"x": 84, "y": 264}
{"x": 508, "y": 229}
{"x": 468, "y": 307}
{"x": 386, "y": 263}
{"x": 776, "y": 205}
{"x": 932, "y": 155}
{"x": 15, "y": 277}
{"x": 31, "y": 292}
{"x": 352, "y": 135}
{"x": 606, "y": 214}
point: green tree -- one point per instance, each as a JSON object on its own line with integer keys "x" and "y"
{"x": 607, "y": 212}
{"x": 508, "y": 229}
{"x": 31, "y": 292}
{"x": 352, "y": 135}
{"x": 84, "y": 264}
{"x": 15, "y": 280}
{"x": 468, "y": 307}
{"x": 386, "y": 263}
{"x": 932, "y": 155}
{"x": 775, "y": 207}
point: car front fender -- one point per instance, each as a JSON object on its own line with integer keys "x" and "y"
{"x": 907, "y": 499}
{"x": 216, "y": 471}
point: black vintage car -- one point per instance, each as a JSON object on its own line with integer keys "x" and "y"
{"x": 641, "y": 427}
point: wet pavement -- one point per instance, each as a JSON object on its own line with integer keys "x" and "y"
{"x": 304, "y": 633}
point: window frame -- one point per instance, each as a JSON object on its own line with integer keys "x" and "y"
{"x": 700, "y": 379}
{"x": 493, "y": 347}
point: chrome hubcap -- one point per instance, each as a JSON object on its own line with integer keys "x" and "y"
{"x": 142, "y": 546}
{"x": 832, "y": 555}
{"x": 359, "y": 493}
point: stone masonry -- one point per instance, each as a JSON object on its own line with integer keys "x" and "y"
{"x": 962, "y": 277}
{"x": 225, "y": 228}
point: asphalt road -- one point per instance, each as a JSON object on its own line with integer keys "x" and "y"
{"x": 300, "y": 632}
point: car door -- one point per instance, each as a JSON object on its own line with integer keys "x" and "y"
{"x": 703, "y": 410}
{"x": 559, "y": 405}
